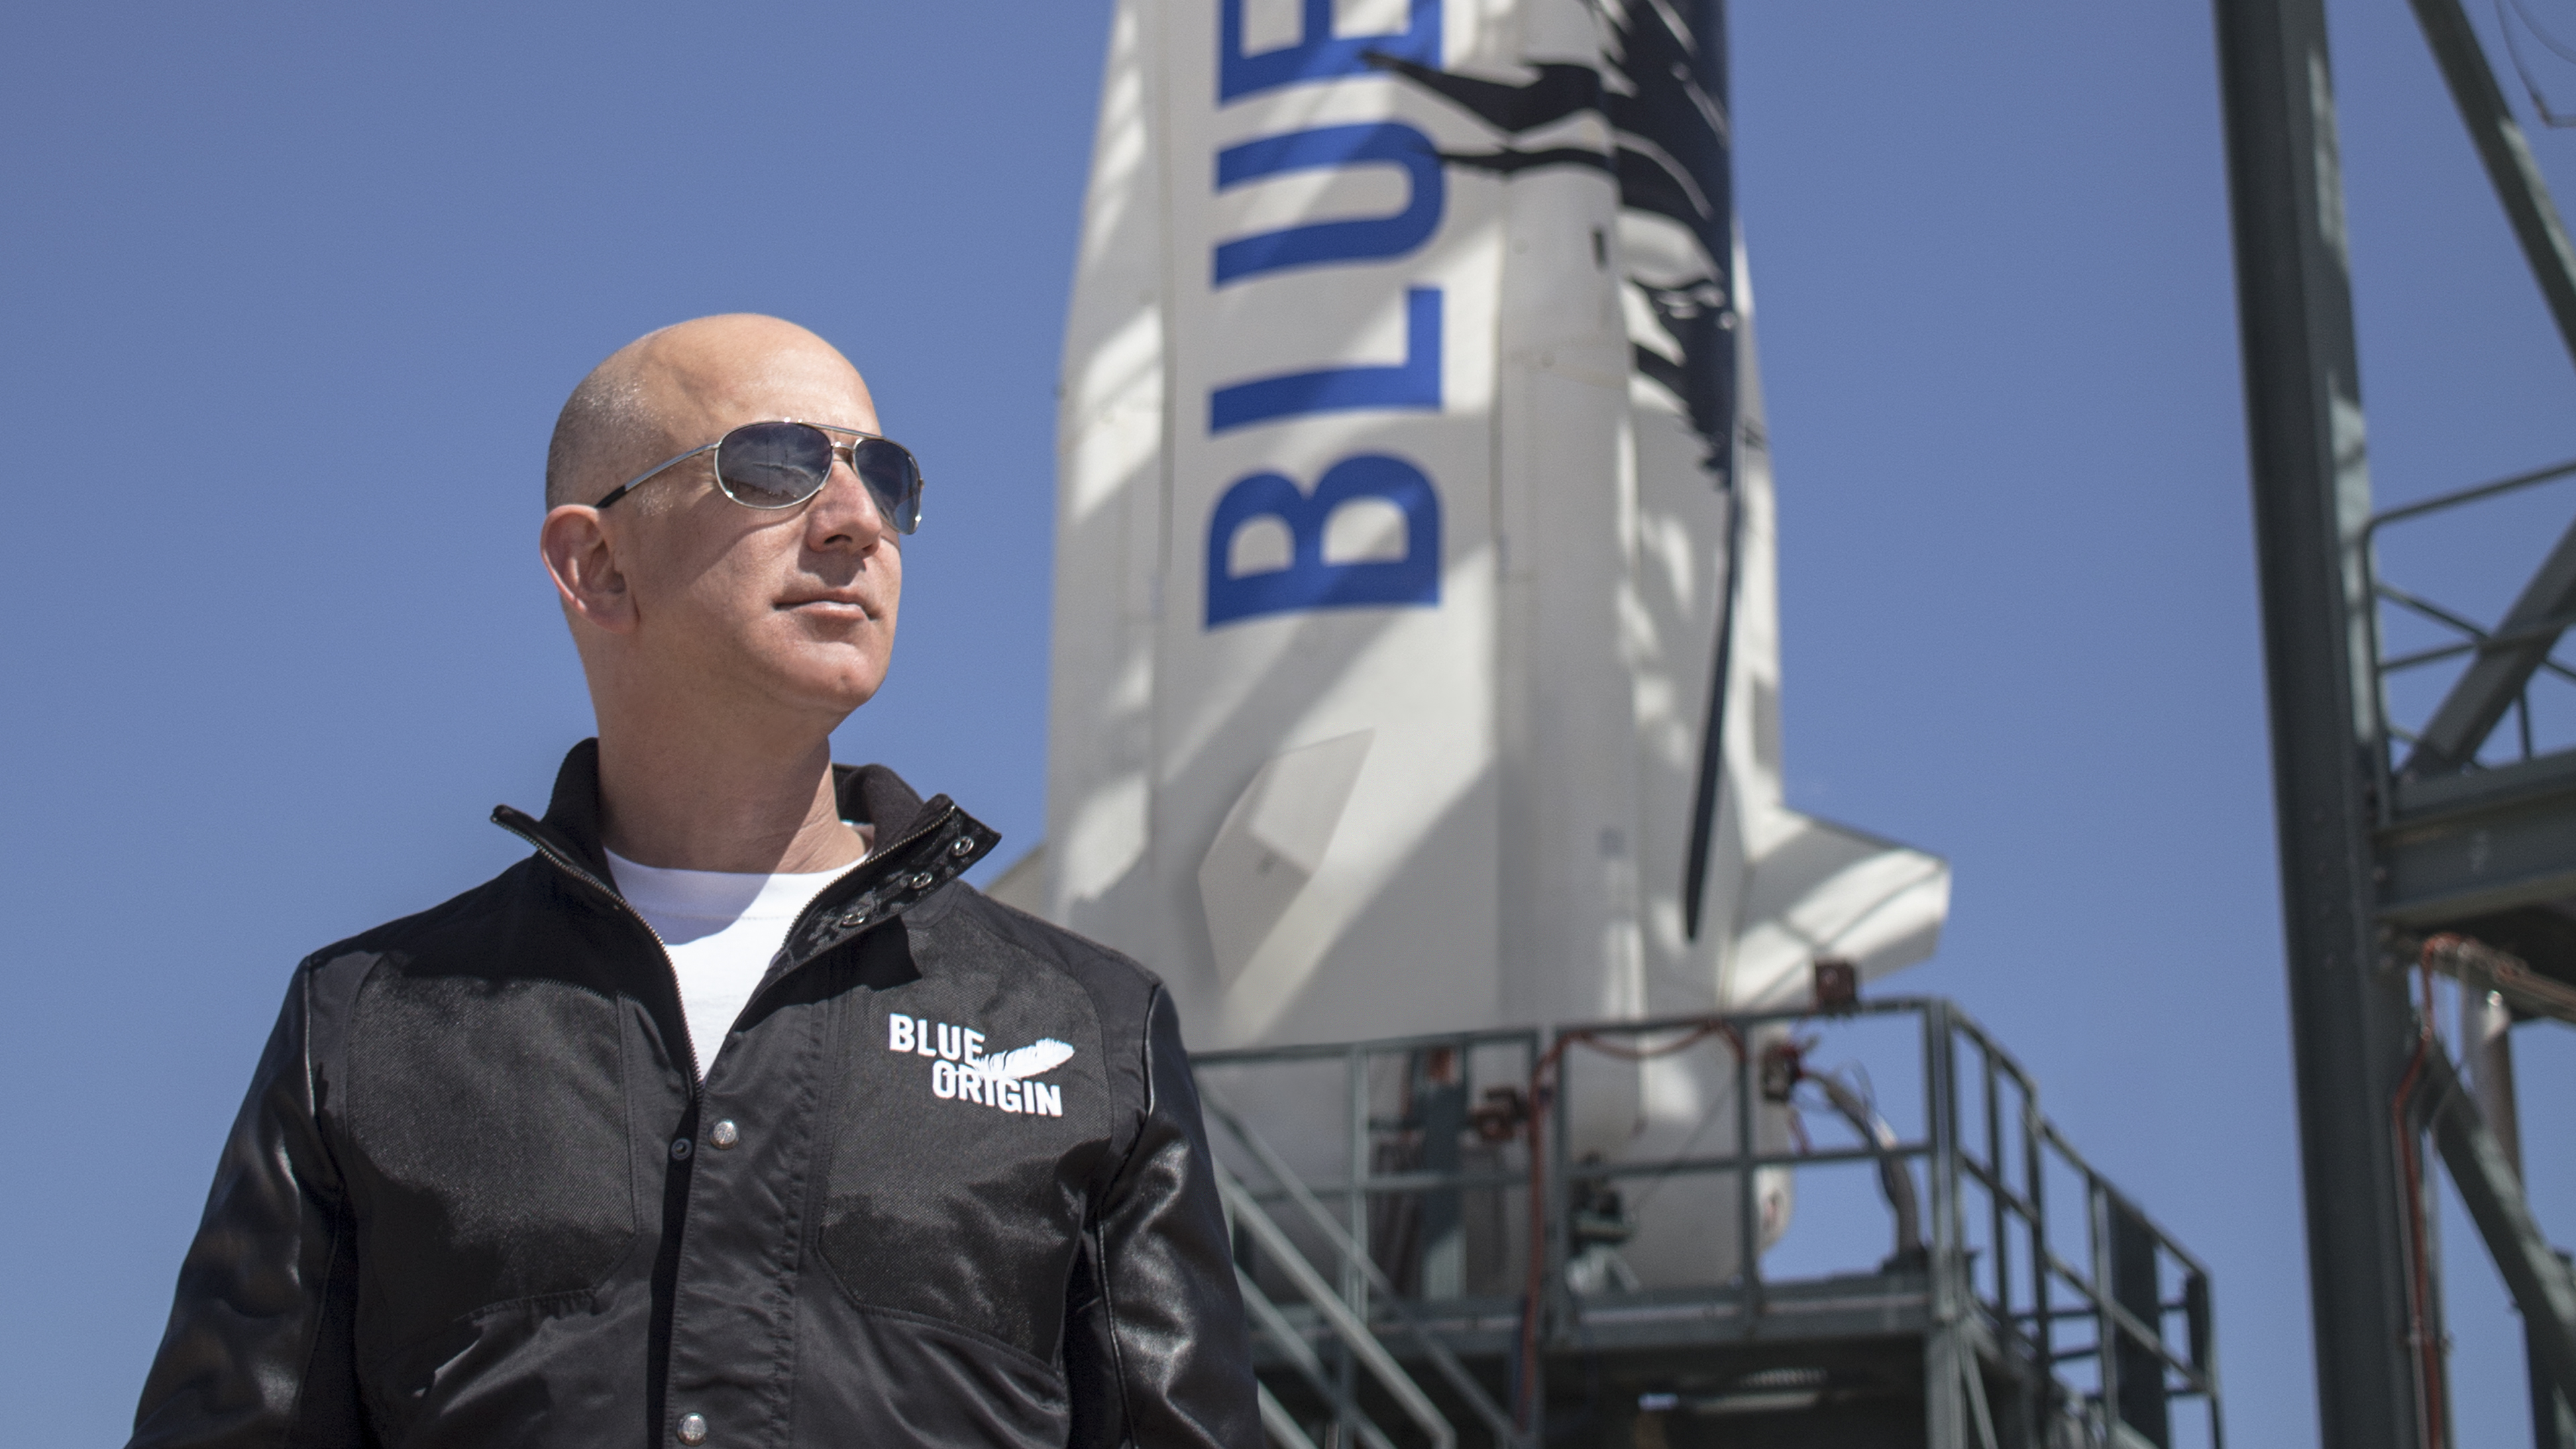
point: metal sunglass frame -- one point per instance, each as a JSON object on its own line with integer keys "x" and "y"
{"x": 841, "y": 452}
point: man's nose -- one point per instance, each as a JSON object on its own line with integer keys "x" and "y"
{"x": 844, "y": 514}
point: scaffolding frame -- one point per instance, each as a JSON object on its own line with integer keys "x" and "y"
{"x": 2036, "y": 1318}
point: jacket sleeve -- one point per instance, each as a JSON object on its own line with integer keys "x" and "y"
{"x": 258, "y": 1351}
{"x": 1157, "y": 1354}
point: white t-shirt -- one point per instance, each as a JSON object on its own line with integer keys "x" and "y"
{"x": 722, "y": 929}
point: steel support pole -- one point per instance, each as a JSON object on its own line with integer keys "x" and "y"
{"x": 1947, "y": 1358}
{"x": 2311, "y": 487}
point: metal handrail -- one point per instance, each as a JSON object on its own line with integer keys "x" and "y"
{"x": 2479, "y": 492}
{"x": 1301, "y": 1356}
{"x": 1828, "y": 1157}
{"x": 1352, "y": 1259}
{"x": 2480, "y": 640}
{"x": 2128, "y": 1324}
{"x": 1355, "y": 1335}
{"x": 1281, "y": 1425}
{"x": 1335, "y": 1050}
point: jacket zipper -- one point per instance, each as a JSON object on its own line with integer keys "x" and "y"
{"x": 574, "y": 869}
{"x": 795, "y": 928}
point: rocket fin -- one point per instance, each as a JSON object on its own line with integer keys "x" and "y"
{"x": 1822, "y": 889}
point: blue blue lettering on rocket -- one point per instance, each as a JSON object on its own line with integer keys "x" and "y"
{"x": 1413, "y": 384}
{"x": 1381, "y": 143}
{"x": 1319, "y": 54}
{"x": 1308, "y": 582}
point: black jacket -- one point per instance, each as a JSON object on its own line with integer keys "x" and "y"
{"x": 478, "y": 1198}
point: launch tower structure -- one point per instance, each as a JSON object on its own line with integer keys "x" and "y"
{"x": 2418, "y": 835}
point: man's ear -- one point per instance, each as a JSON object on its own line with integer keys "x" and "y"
{"x": 584, "y": 564}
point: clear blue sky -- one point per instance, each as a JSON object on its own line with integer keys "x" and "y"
{"x": 291, "y": 294}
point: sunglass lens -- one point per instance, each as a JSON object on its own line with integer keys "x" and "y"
{"x": 773, "y": 465}
{"x": 893, "y": 480}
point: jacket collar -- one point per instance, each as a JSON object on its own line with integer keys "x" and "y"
{"x": 875, "y": 795}
{"x": 868, "y": 794}
{"x": 572, "y": 813}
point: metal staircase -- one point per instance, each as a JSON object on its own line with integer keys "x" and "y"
{"x": 1351, "y": 1337}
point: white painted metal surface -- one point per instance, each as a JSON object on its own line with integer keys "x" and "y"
{"x": 1404, "y": 427}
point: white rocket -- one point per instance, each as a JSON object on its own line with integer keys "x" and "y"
{"x": 1416, "y": 660}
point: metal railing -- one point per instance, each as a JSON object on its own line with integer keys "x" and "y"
{"x": 2465, "y": 637}
{"x": 2035, "y": 1266}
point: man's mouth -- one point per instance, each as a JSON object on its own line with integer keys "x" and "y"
{"x": 850, "y": 604}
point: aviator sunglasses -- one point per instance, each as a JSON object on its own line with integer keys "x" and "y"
{"x": 782, "y": 464}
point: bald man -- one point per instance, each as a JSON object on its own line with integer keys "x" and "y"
{"x": 731, "y": 1116}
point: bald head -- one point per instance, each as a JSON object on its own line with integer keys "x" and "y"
{"x": 661, "y": 394}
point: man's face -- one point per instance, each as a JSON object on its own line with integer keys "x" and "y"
{"x": 792, "y": 608}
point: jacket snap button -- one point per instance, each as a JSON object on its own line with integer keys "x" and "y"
{"x": 854, "y": 918}
{"x": 965, "y": 845}
{"x": 922, "y": 881}
{"x": 679, "y": 1149}
{"x": 693, "y": 1428}
{"x": 724, "y": 1134}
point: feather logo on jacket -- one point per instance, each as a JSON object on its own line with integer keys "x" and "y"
{"x": 961, "y": 1070}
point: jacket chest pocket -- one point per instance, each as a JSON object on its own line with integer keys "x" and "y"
{"x": 490, "y": 1122}
{"x": 957, "y": 1179}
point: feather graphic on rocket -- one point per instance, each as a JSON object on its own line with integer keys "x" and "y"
{"x": 1037, "y": 1058}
